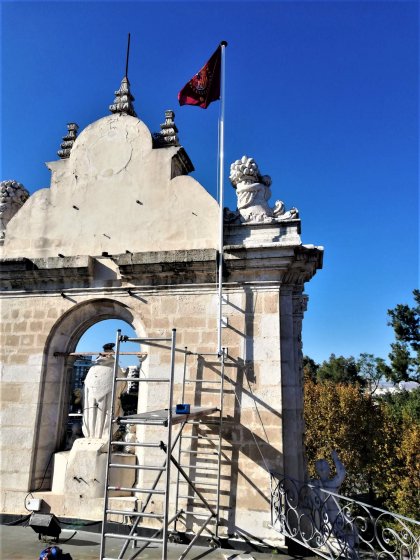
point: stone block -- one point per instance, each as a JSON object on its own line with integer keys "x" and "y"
{"x": 19, "y": 326}
{"x": 122, "y": 503}
{"x": 10, "y": 392}
{"x": 36, "y": 326}
{"x": 13, "y": 438}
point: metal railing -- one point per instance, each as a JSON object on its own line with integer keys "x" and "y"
{"x": 334, "y": 526}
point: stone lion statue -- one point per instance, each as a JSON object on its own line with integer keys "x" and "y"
{"x": 253, "y": 192}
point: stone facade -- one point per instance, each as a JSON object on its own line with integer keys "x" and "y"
{"x": 116, "y": 237}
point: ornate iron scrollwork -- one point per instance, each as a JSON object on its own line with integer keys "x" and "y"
{"x": 334, "y": 526}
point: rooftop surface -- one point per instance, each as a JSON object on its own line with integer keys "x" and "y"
{"x": 21, "y": 543}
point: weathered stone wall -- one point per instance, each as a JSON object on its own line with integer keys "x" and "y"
{"x": 35, "y": 382}
{"x": 114, "y": 193}
{"x": 116, "y": 237}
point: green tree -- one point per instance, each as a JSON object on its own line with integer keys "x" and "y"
{"x": 310, "y": 368}
{"x": 372, "y": 370}
{"x": 373, "y": 446}
{"x": 339, "y": 369}
{"x": 341, "y": 417}
{"x": 405, "y": 351}
{"x": 402, "y": 405}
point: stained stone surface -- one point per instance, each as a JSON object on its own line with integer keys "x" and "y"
{"x": 112, "y": 194}
{"x": 124, "y": 233}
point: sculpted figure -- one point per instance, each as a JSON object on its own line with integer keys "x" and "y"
{"x": 253, "y": 192}
{"x": 343, "y": 532}
{"x": 323, "y": 470}
{"x": 12, "y": 197}
{"x": 97, "y": 396}
{"x": 130, "y": 437}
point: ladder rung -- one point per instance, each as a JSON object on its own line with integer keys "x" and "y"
{"x": 135, "y": 513}
{"x": 197, "y": 498}
{"x": 136, "y": 467}
{"x": 200, "y": 452}
{"x": 135, "y": 444}
{"x": 146, "y": 340}
{"x": 132, "y": 538}
{"x": 137, "y": 490}
{"x": 198, "y": 515}
{"x": 201, "y": 381}
{"x": 200, "y": 437}
{"x": 198, "y": 467}
{"x": 213, "y": 421}
{"x": 199, "y": 483}
{"x": 143, "y": 379}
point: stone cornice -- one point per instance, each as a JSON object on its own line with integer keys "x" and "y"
{"x": 23, "y": 273}
{"x": 167, "y": 267}
{"x": 282, "y": 264}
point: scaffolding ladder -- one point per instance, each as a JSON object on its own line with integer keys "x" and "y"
{"x": 203, "y": 446}
{"x": 166, "y": 418}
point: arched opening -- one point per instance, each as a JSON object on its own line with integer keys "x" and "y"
{"x": 89, "y": 347}
{"x": 57, "y": 373}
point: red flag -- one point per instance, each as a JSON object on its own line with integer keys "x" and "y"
{"x": 204, "y": 87}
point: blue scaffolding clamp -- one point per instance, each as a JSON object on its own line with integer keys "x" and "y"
{"x": 182, "y": 409}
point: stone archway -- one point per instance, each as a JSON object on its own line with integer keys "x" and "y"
{"x": 56, "y": 374}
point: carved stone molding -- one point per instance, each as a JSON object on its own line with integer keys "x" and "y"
{"x": 300, "y": 304}
{"x": 13, "y": 196}
{"x": 59, "y": 272}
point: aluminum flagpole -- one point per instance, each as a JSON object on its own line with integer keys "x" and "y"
{"x": 223, "y": 46}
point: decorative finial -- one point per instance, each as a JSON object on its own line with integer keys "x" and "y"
{"x": 68, "y": 141}
{"x": 168, "y": 134}
{"x": 123, "y": 102}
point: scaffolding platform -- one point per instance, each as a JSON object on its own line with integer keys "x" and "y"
{"x": 160, "y": 417}
{"x": 191, "y": 463}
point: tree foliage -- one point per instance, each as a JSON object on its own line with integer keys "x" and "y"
{"x": 378, "y": 440}
{"x": 310, "y": 368}
{"x": 339, "y": 369}
{"x": 341, "y": 417}
{"x": 405, "y": 351}
{"x": 371, "y": 370}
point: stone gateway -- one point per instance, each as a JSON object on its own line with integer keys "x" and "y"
{"x": 124, "y": 232}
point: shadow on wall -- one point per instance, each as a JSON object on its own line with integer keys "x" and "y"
{"x": 240, "y": 443}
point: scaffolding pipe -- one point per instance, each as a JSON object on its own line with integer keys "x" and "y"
{"x": 111, "y": 427}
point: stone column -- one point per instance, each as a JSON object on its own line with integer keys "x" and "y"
{"x": 292, "y": 306}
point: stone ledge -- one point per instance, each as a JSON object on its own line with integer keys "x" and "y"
{"x": 286, "y": 232}
{"x": 267, "y": 262}
{"x": 23, "y": 273}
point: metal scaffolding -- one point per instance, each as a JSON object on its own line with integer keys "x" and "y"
{"x": 198, "y": 436}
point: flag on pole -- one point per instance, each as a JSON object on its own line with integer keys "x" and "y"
{"x": 204, "y": 87}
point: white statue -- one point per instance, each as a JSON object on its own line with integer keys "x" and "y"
{"x": 330, "y": 503}
{"x": 130, "y": 437}
{"x": 253, "y": 192}
{"x": 132, "y": 373}
{"x": 342, "y": 530}
{"x": 97, "y": 396}
{"x": 323, "y": 470}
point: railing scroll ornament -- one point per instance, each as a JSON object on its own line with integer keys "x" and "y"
{"x": 335, "y": 527}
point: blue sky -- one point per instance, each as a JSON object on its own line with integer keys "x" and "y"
{"x": 324, "y": 95}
